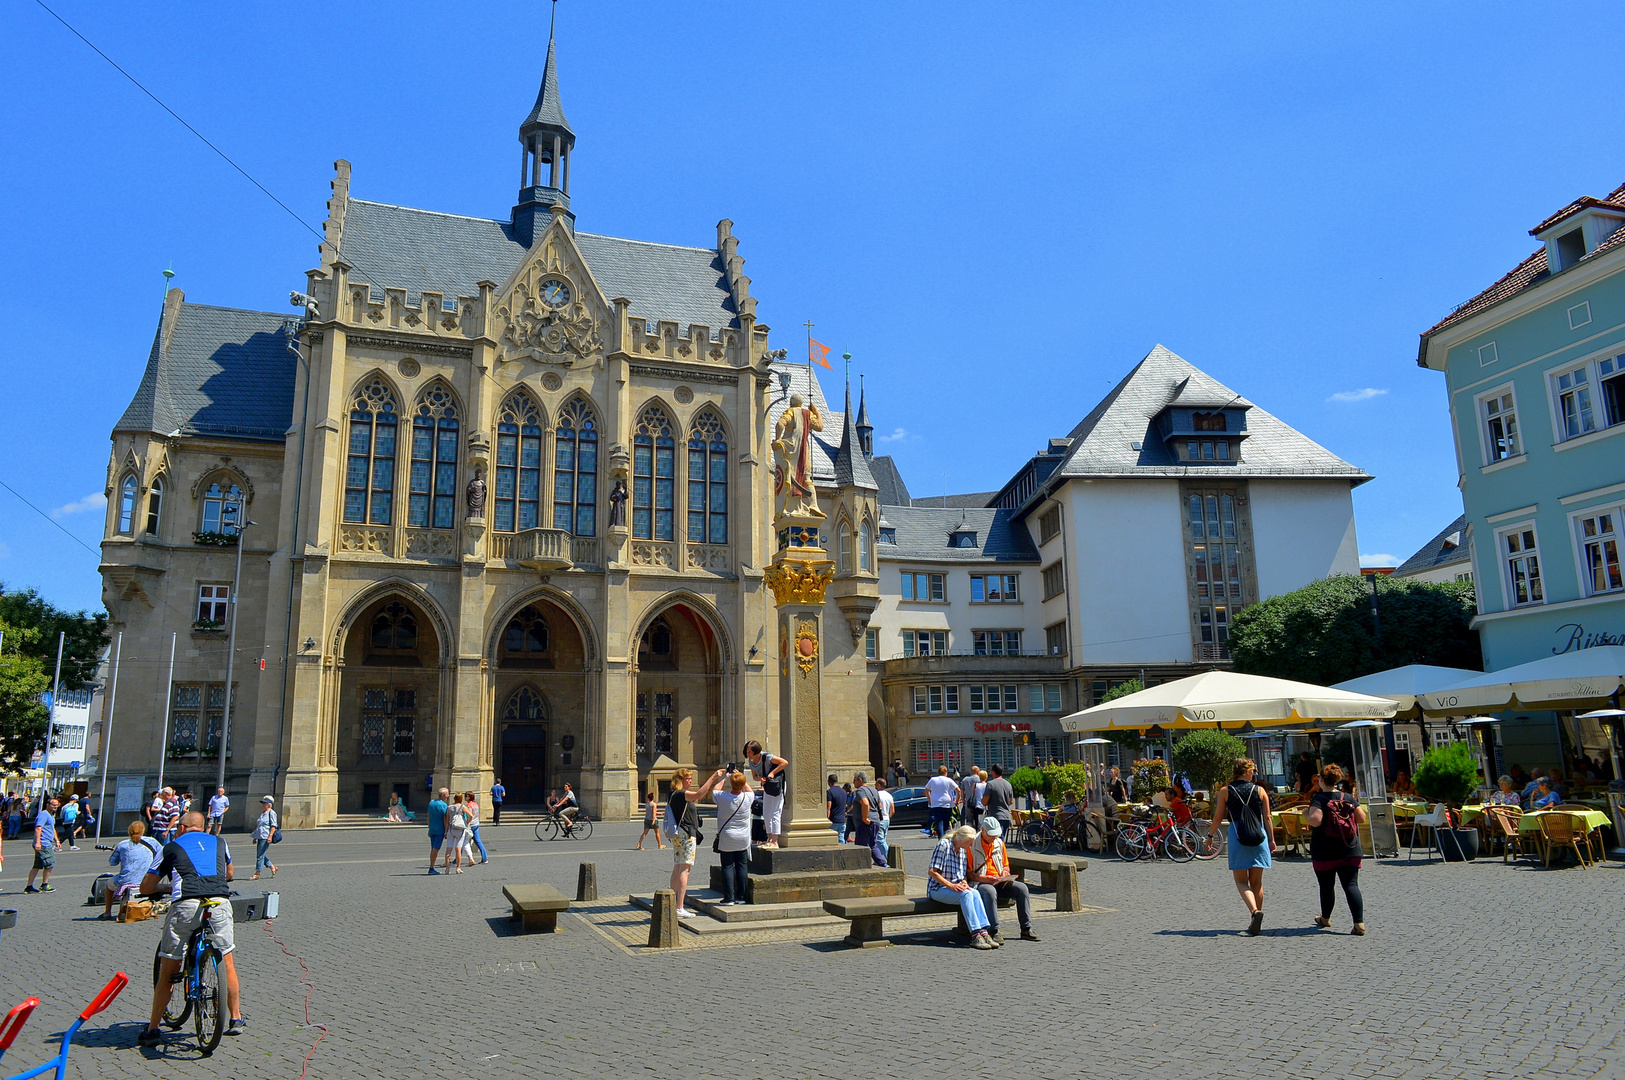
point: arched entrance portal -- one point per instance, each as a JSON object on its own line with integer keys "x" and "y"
{"x": 677, "y": 706}
{"x": 541, "y": 696}
{"x": 389, "y": 706}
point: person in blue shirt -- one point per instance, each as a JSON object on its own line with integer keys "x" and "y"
{"x": 195, "y": 870}
{"x": 1546, "y": 796}
{"x": 497, "y": 792}
{"x": 44, "y": 847}
{"x": 437, "y": 828}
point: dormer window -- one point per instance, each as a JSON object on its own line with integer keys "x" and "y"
{"x": 1577, "y": 230}
{"x": 962, "y": 539}
{"x": 1208, "y": 451}
{"x": 888, "y": 535}
{"x": 1571, "y": 248}
{"x": 1208, "y": 421}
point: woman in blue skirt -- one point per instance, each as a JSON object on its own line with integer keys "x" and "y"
{"x": 1252, "y": 841}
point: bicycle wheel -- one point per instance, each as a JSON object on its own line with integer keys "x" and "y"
{"x": 581, "y": 829}
{"x": 209, "y": 1010}
{"x": 1179, "y": 845}
{"x": 1027, "y": 837}
{"x": 179, "y": 1007}
{"x": 541, "y": 829}
{"x": 1090, "y": 836}
{"x": 1131, "y": 844}
{"x": 1203, "y": 829}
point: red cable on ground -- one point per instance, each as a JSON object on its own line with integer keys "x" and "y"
{"x": 305, "y": 978}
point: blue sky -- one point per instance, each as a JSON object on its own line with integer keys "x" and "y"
{"x": 997, "y": 209}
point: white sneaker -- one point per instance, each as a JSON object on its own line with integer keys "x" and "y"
{"x": 684, "y": 913}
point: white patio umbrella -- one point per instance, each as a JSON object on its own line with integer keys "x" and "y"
{"x": 1402, "y": 685}
{"x": 1572, "y": 677}
{"x": 1215, "y": 699}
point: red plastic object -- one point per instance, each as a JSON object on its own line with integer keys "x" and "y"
{"x": 14, "y": 1021}
{"x": 115, "y": 986}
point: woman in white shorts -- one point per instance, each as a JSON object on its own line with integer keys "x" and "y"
{"x": 770, "y": 773}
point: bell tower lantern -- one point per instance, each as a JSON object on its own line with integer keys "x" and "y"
{"x": 546, "y": 142}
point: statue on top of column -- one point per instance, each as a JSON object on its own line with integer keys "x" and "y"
{"x": 793, "y": 490}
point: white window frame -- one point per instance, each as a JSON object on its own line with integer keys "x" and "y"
{"x": 1581, "y": 566}
{"x": 1555, "y": 393}
{"x": 1504, "y": 558}
{"x": 1482, "y": 419}
{"x": 918, "y": 694}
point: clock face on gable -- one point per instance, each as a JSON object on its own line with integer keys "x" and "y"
{"x": 555, "y": 293}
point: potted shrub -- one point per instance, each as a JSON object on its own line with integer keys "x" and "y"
{"x": 1209, "y": 758}
{"x": 1026, "y": 780}
{"x": 1449, "y": 775}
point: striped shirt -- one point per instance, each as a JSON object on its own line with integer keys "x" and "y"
{"x": 949, "y": 860}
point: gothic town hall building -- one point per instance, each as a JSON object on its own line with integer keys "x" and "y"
{"x": 503, "y": 501}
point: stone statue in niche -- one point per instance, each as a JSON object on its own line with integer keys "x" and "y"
{"x": 476, "y": 495}
{"x": 617, "y": 504}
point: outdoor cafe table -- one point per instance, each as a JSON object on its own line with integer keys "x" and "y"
{"x": 1530, "y": 822}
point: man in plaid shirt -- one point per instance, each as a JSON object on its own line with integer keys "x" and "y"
{"x": 946, "y": 883}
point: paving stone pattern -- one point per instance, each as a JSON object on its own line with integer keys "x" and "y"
{"x": 1469, "y": 971}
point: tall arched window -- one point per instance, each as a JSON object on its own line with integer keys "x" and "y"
{"x": 433, "y": 499}
{"x": 526, "y": 633}
{"x": 575, "y": 470}
{"x": 126, "y": 505}
{"x": 845, "y": 547}
{"x": 155, "y": 504}
{"x": 654, "y": 476}
{"x": 519, "y": 464}
{"x": 707, "y": 480}
{"x": 866, "y": 547}
{"x": 369, "y": 477}
{"x": 216, "y": 518}
{"x": 394, "y": 628}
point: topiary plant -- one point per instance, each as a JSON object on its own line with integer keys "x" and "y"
{"x": 1060, "y": 779}
{"x": 1447, "y": 774}
{"x": 1208, "y": 757}
{"x": 1026, "y": 779}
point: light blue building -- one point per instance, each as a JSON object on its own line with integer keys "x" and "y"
{"x": 1535, "y": 371}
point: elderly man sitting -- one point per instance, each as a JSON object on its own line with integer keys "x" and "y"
{"x": 990, "y": 873}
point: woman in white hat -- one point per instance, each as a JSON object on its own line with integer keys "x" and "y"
{"x": 265, "y": 828}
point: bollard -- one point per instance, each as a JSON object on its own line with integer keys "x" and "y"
{"x": 894, "y": 856}
{"x": 663, "y": 921}
{"x": 587, "y": 882}
{"x": 1067, "y": 897}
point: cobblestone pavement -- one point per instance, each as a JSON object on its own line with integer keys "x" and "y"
{"x": 1469, "y": 971}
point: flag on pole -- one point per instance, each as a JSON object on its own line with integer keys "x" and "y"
{"x": 818, "y": 353}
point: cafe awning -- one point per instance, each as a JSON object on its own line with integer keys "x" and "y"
{"x": 1228, "y": 699}
{"x": 1402, "y": 685}
{"x": 1571, "y": 679}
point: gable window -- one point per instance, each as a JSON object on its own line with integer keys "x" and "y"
{"x": 1574, "y": 412}
{"x": 1049, "y": 525}
{"x": 213, "y": 601}
{"x": 126, "y": 505}
{"x": 369, "y": 476}
{"x": 1501, "y": 425}
{"x": 1523, "y": 567}
{"x": 575, "y": 470}
{"x": 962, "y": 539}
{"x": 1213, "y": 421}
{"x": 888, "y": 534}
{"x": 216, "y": 517}
{"x": 1599, "y": 552}
{"x": 927, "y": 588}
{"x": 1571, "y": 248}
{"x": 517, "y": 501}
{"x": 707, "y": 480}
{"x": 993, "y": 589}
{"x": 866, "y": 548}
{"x": 433, "y": 498}
{"x": 155, "y": 504}
{"x": 1054, "y": 580}
{"x": 653, "y": 476}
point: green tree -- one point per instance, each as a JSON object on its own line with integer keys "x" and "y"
{"x": 1323, "y": 633}
{"x": 35, "y": 623}
{"x": 23, "y": 719}
{"x": 1447, "y": 774}
{"x": 1208, "y": 757}
{"x": 1027, "y": 779}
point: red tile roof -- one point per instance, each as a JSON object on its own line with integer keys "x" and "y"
{"x": 1533, "y": 268}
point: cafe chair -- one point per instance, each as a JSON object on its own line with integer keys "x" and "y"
{"x": 1432, "y": 822}
{"x": 1503, "y": 827}
{"x": 1566, "y": 830}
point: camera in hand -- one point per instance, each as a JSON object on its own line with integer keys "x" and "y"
{"x": 733, "y": 767}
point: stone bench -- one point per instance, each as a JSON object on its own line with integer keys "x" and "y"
{"x": 536, "y": 907}
{"x": 869, "y": 913}
{"x": 1057, "y": 872}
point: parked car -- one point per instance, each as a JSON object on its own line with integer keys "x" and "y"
{"x": 912, "y": 807}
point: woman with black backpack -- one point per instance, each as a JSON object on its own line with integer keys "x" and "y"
{"x": 1252, "y": 841}
{"x": 1334, "y": 818}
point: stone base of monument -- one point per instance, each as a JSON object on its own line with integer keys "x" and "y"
{"x": 732, "y": 920}
{"x": 788, "y": 887}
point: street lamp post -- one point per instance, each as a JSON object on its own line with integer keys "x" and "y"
{"x": 235, "y": 510}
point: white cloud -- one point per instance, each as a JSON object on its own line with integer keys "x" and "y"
{"x": 1347, "y": 396}
{"x": 1378, "y": 559}
{"x": 94, "y": 501}
{"x": 898, "y": 435}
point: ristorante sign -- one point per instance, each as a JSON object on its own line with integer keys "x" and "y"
{"x": 982, "y": 726}
{"x": 1573, "y": 636}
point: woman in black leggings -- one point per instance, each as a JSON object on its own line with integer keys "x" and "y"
{"x": 1334, "y": 819}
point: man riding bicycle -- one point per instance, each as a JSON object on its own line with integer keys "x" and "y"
{"x": 196, "y": 869}
{"x": 566, "y": 807}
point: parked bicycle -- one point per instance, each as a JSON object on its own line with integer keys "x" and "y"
{"x": 203, "y": 994}
{"x": 556, "y": 826}
{"x": 1160, "y": 835}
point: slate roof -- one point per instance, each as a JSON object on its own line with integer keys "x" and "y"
{"x": 549, "y": 110}
{"x": 851, "y": 466}
{"x": 893, "y": 492}
{"x": 400, "y": 247}
{"x": 790, "y": 379}
{"x": 225, "y": 372}
{"x": 1445, "y": 549}
{"x": 972, "y": 499}
{"x": 922, "y": 534}
{"x": 1533, "y": 269}
{"x": 1103, "y": 442}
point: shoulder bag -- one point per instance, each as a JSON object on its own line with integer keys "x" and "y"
{"x": 716, "y": 841}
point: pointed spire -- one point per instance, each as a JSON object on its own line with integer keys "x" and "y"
{"x": 544, "y": 163}
{"x": 851, "y": 463}
{"x": 549, "y": 111}
{"x": 865, "y": 430}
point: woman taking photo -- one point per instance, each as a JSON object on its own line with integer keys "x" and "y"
{"x": 1252, "y": 841}
{"x": 682, "y": 825}
{"x": 733, "y": 837}
{"x": 1334, "y": 819}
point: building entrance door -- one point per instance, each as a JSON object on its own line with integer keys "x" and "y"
{"x": 524, "y": 764}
